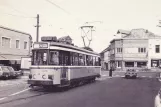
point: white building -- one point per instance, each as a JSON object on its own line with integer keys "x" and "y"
{"x": 154, "y": 52}
{"x": 14, "y": 44}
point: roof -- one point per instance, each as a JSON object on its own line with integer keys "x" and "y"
{"x": 72, "y": 47}
{"x": 123, "y": 31}
{"x": 15, "y": 31}
{"x": 64, "y": 37}
{"x": 106, "y": 49}
{"x": 141, "y": 34}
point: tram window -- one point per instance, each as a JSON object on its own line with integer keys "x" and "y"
{"x": 94, "y": 61}
{"x": 64, "y": 58}
{"x": 75, "y": 59}
{"x": 81, "y": 59}
{"x": 97, "y": 61}
{"x": 39, "y": 57}
{"x": 54, "y": 58}
{"x": 89, "y": 60}
{"x": 71, "y": 58}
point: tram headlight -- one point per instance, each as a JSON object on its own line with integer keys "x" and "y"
{"x": 43, "y": 76}
{"x": 30, "y": 76}
{"x": 50, "y": 77}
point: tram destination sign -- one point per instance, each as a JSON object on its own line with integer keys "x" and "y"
{"x": 41, "y": 45}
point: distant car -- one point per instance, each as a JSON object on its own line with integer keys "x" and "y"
{"x": 131, "y": 73}
{"x": 157, "y": 101}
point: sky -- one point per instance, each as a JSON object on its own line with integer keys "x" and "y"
{"x": 65, "y": 17}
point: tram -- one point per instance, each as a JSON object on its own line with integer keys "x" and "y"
{"x": 59, "y": 64}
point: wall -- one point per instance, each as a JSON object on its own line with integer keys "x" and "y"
{"x": 152, "y": 54}
{"x": 13, "y": 37}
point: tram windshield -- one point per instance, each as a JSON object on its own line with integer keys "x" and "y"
{"x": 39, "y": 57}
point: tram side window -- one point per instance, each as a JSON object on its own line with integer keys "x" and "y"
{"x": 71, "y": 58}
{"x": 81, "y": 60}
{"x": 94, "y": 61}
{"x": 39, "y": 57}
{"x": 64, "y": 58}
{"x": 54, "y": 58}
{"x": 89, "y": 60}
{"x": 97, "y": 61}
{"x": 75, "y": 62}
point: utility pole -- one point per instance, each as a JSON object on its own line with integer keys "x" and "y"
{"x": 37, "y": 26}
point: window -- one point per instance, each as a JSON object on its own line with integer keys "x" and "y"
{"x": 142, "y": 50}
{"x": 17, "y": 44}
{"x": 119, "y": 50}
{"x": 89, "y": 60}
{"x": 129, "y": 64}
{"x": 6, "y": 42}
{"x": 64, "y": 58}
{"x": 81, "y": 59}
{"x": 119, "y": 64}
{"x": 39, "y": 57}
{"x": 54, "y": 58}
{"x": 157, "y": 48}
{"x": 25, "y": 45}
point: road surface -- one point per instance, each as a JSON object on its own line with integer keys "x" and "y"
{"x": 105, "y": 92}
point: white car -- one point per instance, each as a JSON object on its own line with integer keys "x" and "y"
{"x": 157, "y": 102}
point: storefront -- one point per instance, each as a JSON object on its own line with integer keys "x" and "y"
{"x": 155, "y": 63}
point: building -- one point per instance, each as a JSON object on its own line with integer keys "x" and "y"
{"x": 14, "y": 44}
{"x": 137, "y": 48}
{"x": 65, "y": 39}
{"x": 105, "y": 61}
{"x": 154, "y": 54}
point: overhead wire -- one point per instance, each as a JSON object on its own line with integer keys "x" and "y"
{"x": 58, "y": 6}
{"x": 16, "y": 15}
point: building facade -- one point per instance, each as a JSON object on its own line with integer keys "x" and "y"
{"x": 105, "y": 59}
{"x": 137, "y": 48}
{"x": 14, "y": 44}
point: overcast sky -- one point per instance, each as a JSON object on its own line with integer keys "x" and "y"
{"x": 67, "y": 20}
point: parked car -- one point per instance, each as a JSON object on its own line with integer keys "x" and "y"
{"x": 157, "y": 100}
{"x": 13, "y": 73}
{"x": 131, "y": 73}
{"x": 4, "y": 72}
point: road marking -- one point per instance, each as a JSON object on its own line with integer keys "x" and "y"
{"x": 19, "y": 92}
{"x": 3, "y": 98}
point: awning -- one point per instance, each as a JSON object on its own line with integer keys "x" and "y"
{"x": 10, "y": 57}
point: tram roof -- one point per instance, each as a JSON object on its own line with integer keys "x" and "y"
{"x": 72, "y": 47}
{"x": 63, "y": 45}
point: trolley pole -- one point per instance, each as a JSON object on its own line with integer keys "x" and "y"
{"x": 37, "y": 26}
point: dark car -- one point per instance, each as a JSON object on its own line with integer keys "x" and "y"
{"x": 131, "y": 73}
